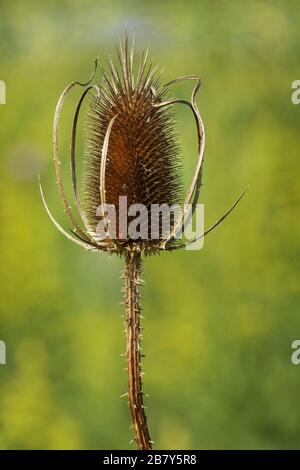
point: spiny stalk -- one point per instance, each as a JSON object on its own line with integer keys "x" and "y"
{"x": 133, "y": 354}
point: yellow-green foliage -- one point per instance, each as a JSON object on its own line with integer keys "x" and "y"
{"x": 219, "y": 322}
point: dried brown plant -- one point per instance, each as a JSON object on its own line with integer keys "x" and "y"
{"x": 131, "y": 150}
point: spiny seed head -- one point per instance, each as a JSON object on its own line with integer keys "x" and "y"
{"x": 142, "y": 160}
{"x": 131, "y": 153}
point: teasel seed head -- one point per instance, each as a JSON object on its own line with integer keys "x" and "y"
{"x": 131, "y": 150}
{"x": 142, "y": 158}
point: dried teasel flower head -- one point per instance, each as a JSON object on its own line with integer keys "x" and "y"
{"x": 131, "y": 151}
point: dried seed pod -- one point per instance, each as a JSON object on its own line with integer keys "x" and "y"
{"x": 142, "y": 156}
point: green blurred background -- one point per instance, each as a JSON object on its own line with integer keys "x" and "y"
{"x": 219, "y": 323}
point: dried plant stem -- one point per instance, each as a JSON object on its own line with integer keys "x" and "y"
{"x": 133, "y": 354}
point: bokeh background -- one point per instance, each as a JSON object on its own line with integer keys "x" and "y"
{"x": 219, "y": 323}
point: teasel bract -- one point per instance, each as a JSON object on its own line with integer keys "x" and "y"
{"x": 131, "y": 150}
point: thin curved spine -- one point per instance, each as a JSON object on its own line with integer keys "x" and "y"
{"x": 212, "y": 227}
